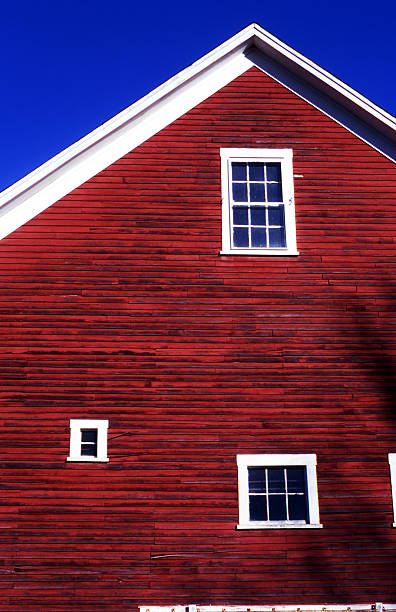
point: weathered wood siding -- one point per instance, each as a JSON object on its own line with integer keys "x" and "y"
{"x": 116, "y": 304}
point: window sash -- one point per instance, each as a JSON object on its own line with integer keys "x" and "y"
{"x": 286, "y": 494}
{"x": 89, "y": 447}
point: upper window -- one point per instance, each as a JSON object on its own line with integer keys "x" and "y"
{"x": 277, "y": 491}
{"x": 258, "y": 202}
{"x": 392, "y": 463}
{"x": 88, "y": 440}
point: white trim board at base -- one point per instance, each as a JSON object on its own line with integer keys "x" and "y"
{"x": 364, "y": 607}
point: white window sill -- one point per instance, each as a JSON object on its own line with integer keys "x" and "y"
{"x": 394, "y": 525}
{"x": 280, "y": 525}
{"x": 261, "y": 252}
{"x": 88, "y": 459}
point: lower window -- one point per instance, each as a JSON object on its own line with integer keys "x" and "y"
{"x": 88, "y": 440}
{"x": 277, "y": 491}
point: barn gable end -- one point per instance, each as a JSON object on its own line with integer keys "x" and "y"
{"x": 144, "y": 372}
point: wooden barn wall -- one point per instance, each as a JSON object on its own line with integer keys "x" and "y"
{"x": 116, "y": 304}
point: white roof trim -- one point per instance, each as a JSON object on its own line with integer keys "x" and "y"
{"x": 133, "y": 126}
{"x": 267, "y": 42}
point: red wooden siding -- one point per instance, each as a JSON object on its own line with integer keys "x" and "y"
{"x": 115, "y": 304}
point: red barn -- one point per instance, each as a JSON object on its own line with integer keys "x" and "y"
{"x": 197, "y": 350}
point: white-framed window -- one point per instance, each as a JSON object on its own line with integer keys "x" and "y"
{"x": 392, "y": 465}
{"x": 258, "y": 202}
{"x": 88, "y": 440}
{"x": 277, "y": 491}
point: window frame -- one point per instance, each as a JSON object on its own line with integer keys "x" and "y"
{"x": 273, "y": 460}
{"x": 285, "y": 158}
{"x": 392, "y": 467}
{"x": 76, "y": 426}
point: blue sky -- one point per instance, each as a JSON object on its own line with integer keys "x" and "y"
{"x": 66, "y": 67}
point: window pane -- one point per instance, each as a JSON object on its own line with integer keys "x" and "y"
{"x": 239, "y": 171}
{"x": 296, "y": 479}
{"x": 297, "y": 507}
{"x": 274, "y": 192}
{"x": 257, "y": 483}
{"x": 89, "y": 450}
{"x": 276, "y": 480}
{"x": 89, "y": 442}
{"x": 240, "y": 215}
{"x": 256, "y": 171}
{"x": 277, "y": 507}
{"x": 277, "y": 237}
{"x": 89, "y": 435}
{"x": 241, "y": 236}
{"x": 239, "y": 192}
{"x": 257, "y": 192}
{"x": 276, "y": 215}
{"x": 257, "y": 215}
{"x": 258, "y": 507}
{"x": 259, "y": 237}
{"x": 274, "y": 172}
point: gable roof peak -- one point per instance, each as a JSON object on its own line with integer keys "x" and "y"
{"x": 252, "y": 46}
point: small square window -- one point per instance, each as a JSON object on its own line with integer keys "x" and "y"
{"x": 392, "y": 465}
{"x": 88, "y": 440}
{"x": 258, "y": 202}
{"x": 277, "y": 491}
